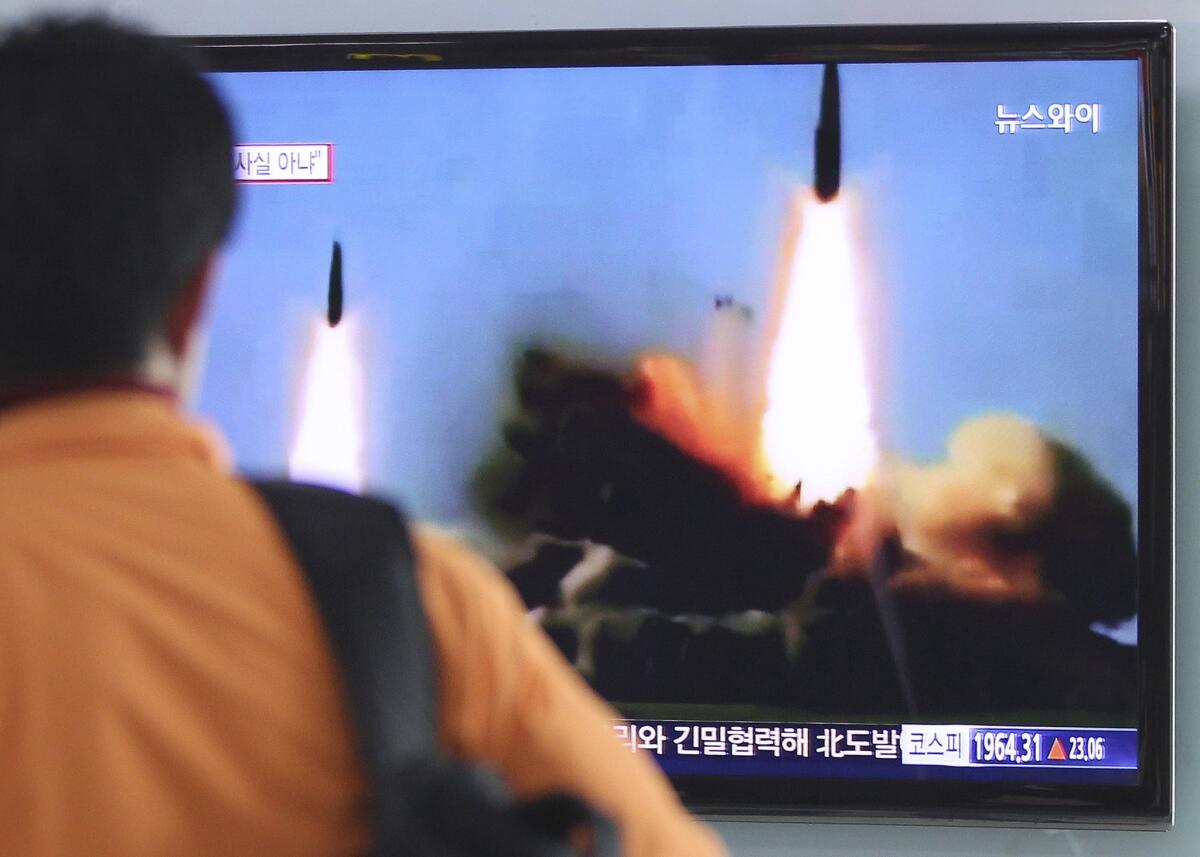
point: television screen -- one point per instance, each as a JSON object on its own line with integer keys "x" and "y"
{"x": 812, "y": 387}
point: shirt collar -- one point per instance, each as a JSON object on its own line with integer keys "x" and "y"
{"x": 102, "y": 416}
{"x": 15, "y": 395}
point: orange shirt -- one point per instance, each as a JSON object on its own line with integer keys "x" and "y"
{"x": 165, "y": 684}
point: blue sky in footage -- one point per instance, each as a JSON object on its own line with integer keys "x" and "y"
{"x": 479, "y": 209}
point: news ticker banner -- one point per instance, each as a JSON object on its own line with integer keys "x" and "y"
{"x": 941, "y": 751}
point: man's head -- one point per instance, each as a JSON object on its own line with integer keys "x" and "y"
{"x": 115, "y": 189}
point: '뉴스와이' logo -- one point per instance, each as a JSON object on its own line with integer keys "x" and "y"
{"x": 1056, "y": 117}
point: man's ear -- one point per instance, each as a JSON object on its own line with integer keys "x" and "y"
{"x": 184, "y": 314}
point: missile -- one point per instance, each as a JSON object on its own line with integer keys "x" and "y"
{"x": 333, "y": 312}
{"x": 827, "y": 157}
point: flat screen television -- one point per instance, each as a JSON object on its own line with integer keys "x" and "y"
{"x": 813, "y": 387}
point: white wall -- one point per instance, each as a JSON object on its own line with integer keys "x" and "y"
{"x": 769, "y": 840}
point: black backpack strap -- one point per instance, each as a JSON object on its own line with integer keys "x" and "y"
{"x": 359, "y": 564}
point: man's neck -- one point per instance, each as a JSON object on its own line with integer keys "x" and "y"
{"x": 163, "y": 373}
{"x": 162, "y": 367}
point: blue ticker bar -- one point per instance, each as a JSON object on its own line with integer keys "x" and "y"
{"x": 887, "y": 751}
{"x": 1054, "y": 748}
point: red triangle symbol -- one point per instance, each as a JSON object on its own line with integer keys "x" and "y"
{"x": 1057, "y": 753}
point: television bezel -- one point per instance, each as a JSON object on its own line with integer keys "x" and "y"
{"x": 1150, "y": 804}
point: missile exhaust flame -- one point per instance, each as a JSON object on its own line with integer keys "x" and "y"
{"x": 816, "y": 429}
{"x": 330, "y": 441}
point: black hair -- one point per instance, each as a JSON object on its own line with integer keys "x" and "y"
{"x": 116, "y": 183}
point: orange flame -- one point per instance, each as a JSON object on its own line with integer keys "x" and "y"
{"x": 816, "y": 426}
{"x": 329, "y": 445}
{"x": 804, "y": 417}
{"x": 699, "y": 419}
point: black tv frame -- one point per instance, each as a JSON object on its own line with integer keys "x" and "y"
{"x": 1150, "y": 805}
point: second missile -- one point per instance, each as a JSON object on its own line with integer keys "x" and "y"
{"x": 827, "y": 155}
{"x": 333, "y": 308}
